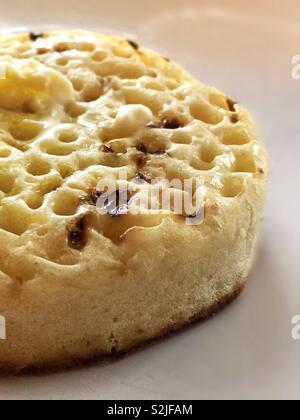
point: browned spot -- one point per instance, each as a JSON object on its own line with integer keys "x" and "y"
{"x": 171, "y": 123}
{"x": 261, "y": 171}
{"x": 231, "y": 104}
{"x": 118, "y": 208}
{"x": 107, "y": 148}
{"x": 42, "y": 51}
{"x": 144, "y": 176}
{"x": 141, "y": 160}
{"x": 92, "y": 197}
{"x": 60, "y": 48}
{"x": 133, "y": 44}
{"x": 167, "y": 59}
{"x": 234, "y": 119}
{"x": 160, "y": 151}
{"x": 141, "y": 147}
{"x": 77, "y": 234}
{"x": 116, "y": 203}
{"x": 35, "y": 36}
{"x": 153, "y": 73}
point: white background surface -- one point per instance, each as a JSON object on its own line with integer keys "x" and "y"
{"x": 244, "y": 48}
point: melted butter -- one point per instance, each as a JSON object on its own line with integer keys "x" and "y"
{"x": 29, "y": 86}
{"x": 21, "y": 126}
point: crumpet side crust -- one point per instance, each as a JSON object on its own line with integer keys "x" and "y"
{"x": 89, "y": 359}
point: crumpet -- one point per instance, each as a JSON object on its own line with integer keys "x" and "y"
{"x": 78, "y": 109}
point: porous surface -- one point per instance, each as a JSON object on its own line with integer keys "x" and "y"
{"x": 75, "y": 108}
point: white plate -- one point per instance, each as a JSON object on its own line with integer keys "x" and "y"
{"x": 246, "y": 50}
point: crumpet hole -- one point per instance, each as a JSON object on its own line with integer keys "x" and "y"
{"x": 232, "y": 187}
{"x": 203, "y": 112}
{"x": 180, "y": 95}
{"x": 5, "y": 153}
{"x": 181, "y": 138}
{"x": 34, "y": 202}
{"x": 77, "y": 84}
{"x": 112, "y": 161}
{"x": 244, "y": 162}
{"x": 200, "y": 165}
{"x": 172, "y": 84}
{"x": 86, "y": 47}
{"x": 92, "y": 92}
{"x": 99, "y": 55}
{"x": 48, "y": 185}
{"x": 235, "y": 136}
{"x": 219, "y": 101}
{"x": 62, "y": 61}
{"x": 38, "y": 167}
{"x": 55, "y": 149}
{"x": 7, "y": 182}
{"x": 66, "y": 204}
{"x": 209, "y": 152}
{"x": 138, "y": 97}
{"x": 14, "y": 219}
{"x": 68, "y": 136}
{"x": 27, "y": 130}
{"x": 76, "y": 110}
{"x": 61, "y": 47}
{"x": 65, "y": 170}
{"x": 42, "y": 231}
{"x": 154, "y": 85}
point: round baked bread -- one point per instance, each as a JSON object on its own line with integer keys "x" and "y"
{"x": 77, "y": 108}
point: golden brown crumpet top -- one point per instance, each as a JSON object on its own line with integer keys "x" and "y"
{"x": 76, "y": 107}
